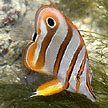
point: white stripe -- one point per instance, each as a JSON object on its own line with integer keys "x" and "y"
{"x": 38, "y": 19}
{"x": 68, "y": 55}
{"x": 78, "y": 63}
{"x": 83, "y": 88}
{"x": 42, "y": 35}
{"x": 33, "y": 35}
{"x": 41, "y": 38}
{"x": 54, "y": 45}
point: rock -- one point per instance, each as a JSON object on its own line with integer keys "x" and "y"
{"x": 10, "y": 51}
{"x": 10, "y": 11}
{"x": 11, "y": 61}
{"x": 16, "y": 25}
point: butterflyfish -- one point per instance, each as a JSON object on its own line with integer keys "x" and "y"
{"x": 57, "y": 48}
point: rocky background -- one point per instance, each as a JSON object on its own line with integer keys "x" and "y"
{"x": 16, "y": 26}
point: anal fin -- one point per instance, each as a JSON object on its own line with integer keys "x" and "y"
{"x": 49, "y": 88}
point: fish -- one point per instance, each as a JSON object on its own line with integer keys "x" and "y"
{"x": 57, "y": 48}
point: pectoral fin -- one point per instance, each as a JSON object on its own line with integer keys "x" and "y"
{"x": 49, "y": 88}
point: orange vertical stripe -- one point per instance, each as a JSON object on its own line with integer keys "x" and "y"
{"x": 62, "y": 49}
{"x": 69, "y": 72}
{"x": 80, "y": 72}
{"x": 77, "y": 86}
{"x": 45, "y": 43}
{"x": 25, "y": 54}
{"x": 29, "y": 55}
{"x": 48, "y": 37}
{"x": 88, "y": 83}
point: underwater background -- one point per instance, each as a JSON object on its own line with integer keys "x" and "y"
{"x": 17, "y": 24}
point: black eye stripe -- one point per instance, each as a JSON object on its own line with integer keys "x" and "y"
{"x": 34, "y": 36}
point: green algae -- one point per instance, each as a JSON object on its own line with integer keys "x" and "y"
{"x": 19, "y": 96}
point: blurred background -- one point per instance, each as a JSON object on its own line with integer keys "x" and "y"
{"x": 17, "y": 24}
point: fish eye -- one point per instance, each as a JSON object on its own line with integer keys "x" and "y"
{"x": 34, "y": 36}
{"x": 51, "y": 22}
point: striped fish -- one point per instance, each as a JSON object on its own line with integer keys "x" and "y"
{"x": 57, "y": 48}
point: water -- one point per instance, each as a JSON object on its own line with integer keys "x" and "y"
{"x": 17, "y": 86}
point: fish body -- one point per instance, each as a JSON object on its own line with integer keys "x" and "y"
{"x": 57, "y": 48}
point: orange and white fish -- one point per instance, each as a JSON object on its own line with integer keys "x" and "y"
{"x": 57, "y": 48}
